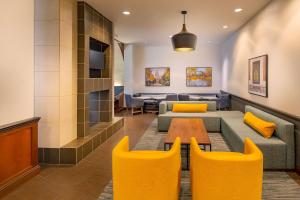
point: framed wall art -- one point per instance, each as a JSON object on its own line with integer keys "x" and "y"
{"x": 158, "y": 76}
{"x": 258, "y": 76}
{"x": 199, "y": 76}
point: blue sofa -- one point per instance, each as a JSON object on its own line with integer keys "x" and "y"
{"x": 189, "y": 96}
{"x": 169, "y": 96}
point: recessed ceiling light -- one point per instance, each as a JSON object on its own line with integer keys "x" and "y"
{"x": 126, "y": 12}
{"x": 170, "y": 36}
{"x": 208, "y": 41}
{"x": 225, "y": 27}
{"x": 238, "y": 10}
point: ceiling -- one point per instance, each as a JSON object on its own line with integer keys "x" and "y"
{"x": 153, "y": 21}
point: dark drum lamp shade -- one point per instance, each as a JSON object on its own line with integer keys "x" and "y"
{"x": 184, "y": 41}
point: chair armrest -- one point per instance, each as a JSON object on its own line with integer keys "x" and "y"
{"x": 122, "y": 146}
{"x": 251, "y": 149}
{"x": 162, "y": 107}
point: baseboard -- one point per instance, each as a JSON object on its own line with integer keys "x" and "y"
{"x": 18, "y": 179}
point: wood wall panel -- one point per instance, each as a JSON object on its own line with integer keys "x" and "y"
{"x": 15, "y": 151}
{"x": 18, "y": 153}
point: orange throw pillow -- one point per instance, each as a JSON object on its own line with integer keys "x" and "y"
{"x": 189, "y": 108}
{"x": 265, "y": 128}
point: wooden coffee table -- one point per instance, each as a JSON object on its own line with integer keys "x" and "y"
{"x": 185, "y": 128}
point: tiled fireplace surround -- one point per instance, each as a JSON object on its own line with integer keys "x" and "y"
{"x": 95, "y": 123}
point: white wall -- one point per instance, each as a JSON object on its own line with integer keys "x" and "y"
{"x": 16, "y": 60}
{"x": 276, "y": 32}
{"x": 128, "y": 73}
{"x": 118, "y": 66}
{"x": 206, "y": 55}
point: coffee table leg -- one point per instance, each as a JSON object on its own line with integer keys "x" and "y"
{"x": 188, "y": 157}
{"x": 167, "y": 146}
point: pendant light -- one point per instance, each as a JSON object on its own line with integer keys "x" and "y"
{"x": 184, "y": 41}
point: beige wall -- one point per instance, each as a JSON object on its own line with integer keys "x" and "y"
{"x": 56, "y": 71}
{"x": 276, "y": 32}
{"x": 16, "y": 60}
{"x": 206, "y": 55}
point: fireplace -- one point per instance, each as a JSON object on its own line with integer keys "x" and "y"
{"x": 99, "y": 105}
{"x": 95, "y": 53}
{"x": 95, "y": 124}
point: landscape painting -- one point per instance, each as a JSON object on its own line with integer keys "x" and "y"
{"x": 159, "y": 76}
{"x": 199, "y": 76}
{"x": 258, "y": 76}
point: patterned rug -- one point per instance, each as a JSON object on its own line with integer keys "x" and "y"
{"x": 276, "y": 185}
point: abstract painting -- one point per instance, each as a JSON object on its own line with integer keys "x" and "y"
{"x": 159, "y": 76}
{"x": 199, "y": 76}
{"x": 258, "y": 76}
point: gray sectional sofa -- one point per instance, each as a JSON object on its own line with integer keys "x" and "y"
{"x": 279, "y": 150}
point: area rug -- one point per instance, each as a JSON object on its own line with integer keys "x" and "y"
{"x": 276, "y": 185}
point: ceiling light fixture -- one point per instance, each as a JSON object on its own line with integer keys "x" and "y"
{"x": 126, "y": 12}
{"x": 225, "y": 27}
{"x": 237, "y": 10}
{"x": 184, "y": 41}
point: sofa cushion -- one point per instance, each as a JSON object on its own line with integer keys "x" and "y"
{"x": 211, "y": 120}
{"x": 244, "y": 131}
{"x": 191, "y": 115}
{"x": 194, "y": 97}
{"x": 227, "y": 114}
{"x": 189, "y": 108}
{"x": 263, "y": 127}
{"x": 158, "y": 96}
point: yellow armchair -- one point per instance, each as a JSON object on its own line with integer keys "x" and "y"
{"x": 226, "y": 175}
{"x": 146, "y": 175}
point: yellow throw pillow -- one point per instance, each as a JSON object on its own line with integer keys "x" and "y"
{"x": 265, "y": 128}
{"x": 189, "y": 108}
